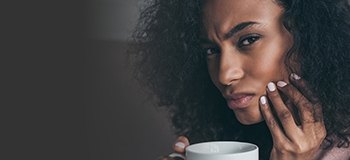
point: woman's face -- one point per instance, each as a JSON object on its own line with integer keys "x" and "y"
{"x": 246, "y": 44}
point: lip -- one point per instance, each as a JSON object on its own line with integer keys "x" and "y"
{"x": 239, "y": 101}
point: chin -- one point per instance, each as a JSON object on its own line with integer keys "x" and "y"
{"x": 249, "y": 120}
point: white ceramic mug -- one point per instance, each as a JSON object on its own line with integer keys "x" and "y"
{"x": 222, "y": 150}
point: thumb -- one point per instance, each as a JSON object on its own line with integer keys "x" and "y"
{"x": 181, "y": 143}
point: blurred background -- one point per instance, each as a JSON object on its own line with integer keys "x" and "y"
{"x": 68, "y": 92}
{"x": 122, "y": 123}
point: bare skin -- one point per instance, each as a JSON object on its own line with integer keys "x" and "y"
{"x": 290, "y": 141}
{"x": 246, "y": 45}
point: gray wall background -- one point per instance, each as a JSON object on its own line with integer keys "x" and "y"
{"x": 122, "y": 124}
{"x": 113, "y": 19}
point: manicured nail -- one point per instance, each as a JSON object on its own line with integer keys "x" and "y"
{"x": 180, "y": 145}
{"x": 174, "y": 155}
{"x": 271, "y": 86}
{"x": 295, "y": 76}
{"x": 263, "y": 100}
{"x": 281, "y": 83}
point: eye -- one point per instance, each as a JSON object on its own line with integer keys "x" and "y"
{"x": 212, "y": 51}
{"x": 248, "y": 40}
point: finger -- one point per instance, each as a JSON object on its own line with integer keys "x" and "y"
{"x": 180, "y": 145}
{"x": 302, "y": 86}
{"x": 318, "y": 113}
{"x": 306, "y": 91}
{"x": 276, "y": 131}
{"x": 177, "y": 156}
{"x": 283, "y": 113}
{"x": 306, "y": 109}
{"x": 291, "y": 107}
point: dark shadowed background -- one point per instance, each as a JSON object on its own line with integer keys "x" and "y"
{"x": 122, "y": 123}
{"x": 67, "y": 92}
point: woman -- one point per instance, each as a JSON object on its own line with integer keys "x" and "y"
{"x": 270, "y": 72}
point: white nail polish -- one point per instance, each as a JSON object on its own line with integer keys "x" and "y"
{"x": 180, "y": 145}
{"x": 271, "y": 86}
{"x": 295, "y": 76}
{"x": 174, "y": 155}
{"x": 263, "y": 100}
{"x": 281, "y": 84}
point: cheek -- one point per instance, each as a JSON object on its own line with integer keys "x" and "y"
{"x": 271, "y": 54}
{"x": 269, "y": 65}
{"x": 213, "y": 73}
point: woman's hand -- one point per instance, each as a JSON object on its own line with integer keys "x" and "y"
{"x": 179, "y": 149}
{"x": 294, "y": 136}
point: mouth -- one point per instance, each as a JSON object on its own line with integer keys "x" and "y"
{"x": 239, "y": 101}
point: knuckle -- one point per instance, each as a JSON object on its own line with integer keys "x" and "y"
{"x": 272, "y": 123}
{"x": 274, "y": 95}
{"x": 296, "y": 95}
{"x": 300, "y": 149}
{"x": 308, "y": 108}
{"x": 266, "y": 111}
{"x": 285, "y": 115}
{"x": 306, "y": 147}
{"x": 293, "y": 93}
{"x": 282, "y": 149}
{"x": 300, "y": 101}
{"x": 323, "y": 133}
{"x": 305, "y": 106}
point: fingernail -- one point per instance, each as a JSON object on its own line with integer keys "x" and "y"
{"x": 281, "y": 83}
{"x": 174, "y": 155}
{"x": 295, "y": 76}
{"x": 180, "y": 145}
{"x": 271, "y": 86}
{"x": 263, "y": 100}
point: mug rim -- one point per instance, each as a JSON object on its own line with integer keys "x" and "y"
{"x": 189, "y": 148}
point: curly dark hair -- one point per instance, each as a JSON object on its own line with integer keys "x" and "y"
{"x": 170, "y": 61}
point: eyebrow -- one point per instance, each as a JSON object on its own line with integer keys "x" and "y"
{"x": 232, "y": 32}
{"x": 238, "y": 28}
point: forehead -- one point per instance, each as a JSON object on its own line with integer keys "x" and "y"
{"x": 222, "y": 15}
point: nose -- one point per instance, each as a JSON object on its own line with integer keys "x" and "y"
{"x": 230, "y": 67}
